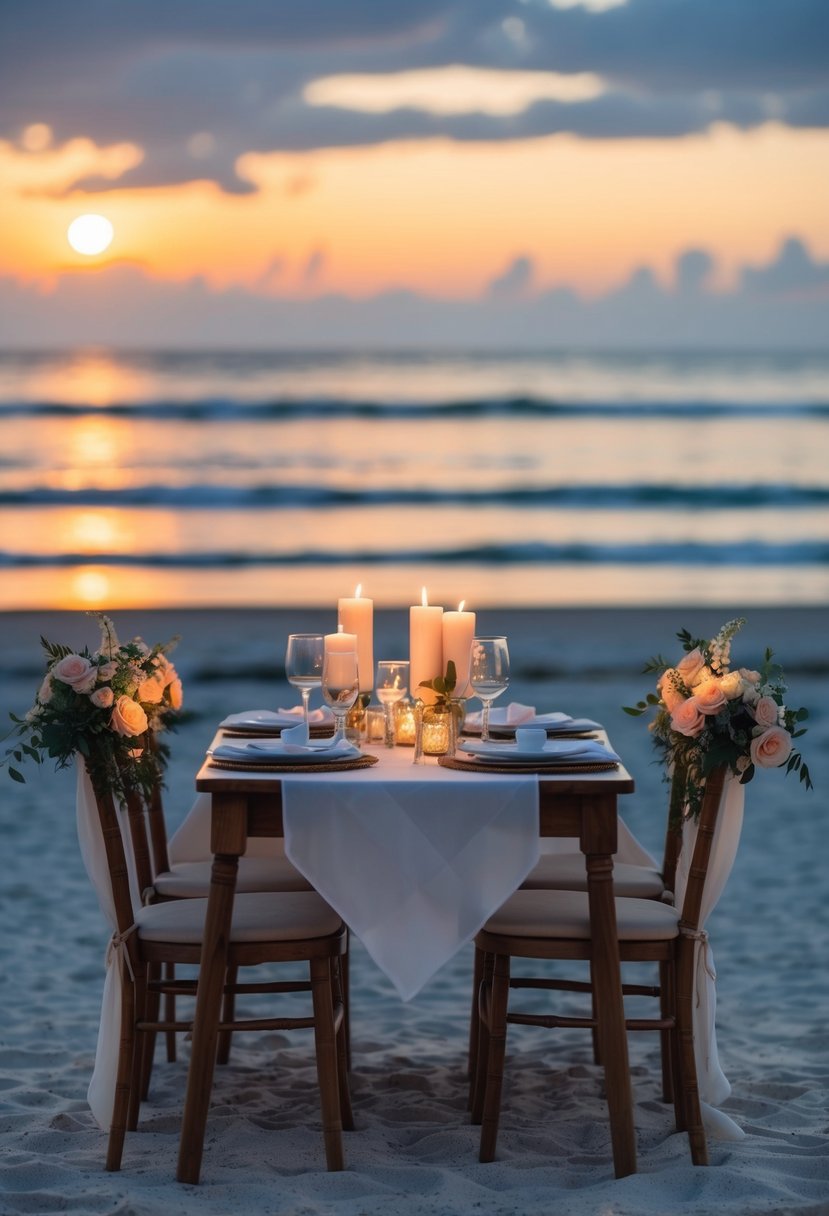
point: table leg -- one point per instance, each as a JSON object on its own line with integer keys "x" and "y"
{"x": 212, "y": 969}
{"x": 607, "y": 987}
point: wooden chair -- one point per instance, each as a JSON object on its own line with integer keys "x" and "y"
{"x": 544, "y": 924}
{"x": 567, "y": 872}
{"x": 268, "y": 927}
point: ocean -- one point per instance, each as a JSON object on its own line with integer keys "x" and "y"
{"x": 233, "y": 479}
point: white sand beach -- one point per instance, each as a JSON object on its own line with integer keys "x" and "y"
{"x": 413, "y": 1151}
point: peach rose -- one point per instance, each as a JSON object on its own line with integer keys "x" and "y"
{"x": 102, "y": 697}
{"x": 176, "y": 693}
{"x": 44, "y": 695}
{"x": 164, "y": 669}
{"x": 687, "y": 719}
{"x": 766, "y": 712}
{"x": 750, "y": 677}
{"x": 690, "y": 666}
{"x": 128, "y": 718}
{"x": 667, "y": 686}
{"x": 75, "y": 671}
{"x": 106, "y": 671}
{"x": 151, "y": 690}
{"x": 772, "y": 748}
{"x": 710, "y": 697}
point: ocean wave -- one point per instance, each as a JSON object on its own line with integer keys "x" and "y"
{"x": 224, "y": 409}
{"x": 635, "y": 496}
{"x": 536, "y": 553}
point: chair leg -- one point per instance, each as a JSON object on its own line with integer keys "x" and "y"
{"x": 327, "y": 1074}
{"x": 228, "y": 1014}
{"x": 472, "y": 1059}
{"x": 345, "y": 983}
{"x": 687, "y": 1062}
{"x": 666, "y": 1037}
{"x": 137, "y": 1070}
{"x": 126, "y": 1050}
{"x": 170, "y": 1012}
{"x": 346, "y": 1113}
{"x": 483, "y": 1005}
{"x": 497, "y": 1051}
{"x": 597, "y": 1047}
{"x": 149, "y": 1036}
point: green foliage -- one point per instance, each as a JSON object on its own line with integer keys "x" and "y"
{"x": 443, "y": 686}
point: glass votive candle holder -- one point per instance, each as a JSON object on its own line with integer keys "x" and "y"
{"x": 405, "y": 726}
{"x": 375, "y": 722}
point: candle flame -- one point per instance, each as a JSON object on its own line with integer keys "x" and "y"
{"x": 359, "y": 591}
{"x": 460, "y": 605}
{"x": 424, "y": 599}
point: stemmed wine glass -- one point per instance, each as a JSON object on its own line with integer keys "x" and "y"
{"x": 391, "y": 686}
{"x": 340, "y": 686}
{"x": 303, "y": 666}
{"x": 488, "y": 674}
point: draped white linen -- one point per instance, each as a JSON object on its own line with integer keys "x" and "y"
{"x": 714, "y": 1087}
{"x": 101, "y": 1092}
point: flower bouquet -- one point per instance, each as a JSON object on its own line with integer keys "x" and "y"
{"x": 102, "y": 705}
{"x": 708, "y": 715}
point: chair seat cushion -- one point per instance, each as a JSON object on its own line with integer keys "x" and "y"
{"x": 262, "y": 917}
{"x": 566, "y": 872}
{"x": 191, "y": 879}
{"x": 565, "y": 914}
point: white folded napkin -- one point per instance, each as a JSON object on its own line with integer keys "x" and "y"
{"x": 563, "y": 751}
{"x": 264, "y": 718}
{"x": 254, "y": 751}
{"x": 513, "y": 714}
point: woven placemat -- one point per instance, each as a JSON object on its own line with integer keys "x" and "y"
{"x": 327, "y": 766}
{"x": 273, "y": 732}
{"x": 483, "y": 766}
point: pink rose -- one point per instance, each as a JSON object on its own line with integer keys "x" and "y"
{"x": 75, "y": 671}
{"x": 102, "y": 697}
{"x": 44, "y": 696}
{"x": 106, "y": 671}
{"x": 710, "y": 697}
{"x": 128, "y": 718}
{"x": 686, "y": 719}
{"x": 732, "y": 685}
{"x": 750, "y": 677}
{"x": 690, "y": 666}
{"x": 176, "y": 693}
{"x": 772, "y": 748}
{"x": 766, "y": 712}
{"x": 151, "y": 690}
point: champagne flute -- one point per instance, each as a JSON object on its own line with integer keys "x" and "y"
{"x": 391, "y": 686}
{"x": 340, "y": 686}
{"x": 303, "y": 666}
{"x": 488, "y": 674}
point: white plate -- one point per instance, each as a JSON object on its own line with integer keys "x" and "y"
{"x": 268, "y": 720}
{"x": 254, "y": 754}
{"x": 554, "y": 724}
{"x": 554, "y": 751}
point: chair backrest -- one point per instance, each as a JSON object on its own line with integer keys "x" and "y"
{"x": 116, "y": 858}
{"x": 698, "y": 869}
{"x": 673, "y": 830}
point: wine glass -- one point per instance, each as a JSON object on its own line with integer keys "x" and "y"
{"x": 488, "y": 674}
{"x": 340, "y": 686}
{"x": 303, "y": 666}
{"x": 391, "y": 686}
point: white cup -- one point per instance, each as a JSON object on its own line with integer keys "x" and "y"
{"x": 530, "y": 738}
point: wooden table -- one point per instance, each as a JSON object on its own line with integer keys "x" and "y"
{"x": 250, "y": 804}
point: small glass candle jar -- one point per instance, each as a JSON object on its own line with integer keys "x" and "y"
{"x": 404, "y": 723}
{"x": 435, "y": 730}
{"x": 375, "y": 724}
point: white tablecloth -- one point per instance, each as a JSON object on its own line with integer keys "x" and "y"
{"x": 413, "y": 857}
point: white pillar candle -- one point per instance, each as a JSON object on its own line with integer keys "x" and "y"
{"x": 458, "y": 632}
{"x": 356, "y": 615}
{"x": 340, "y": 643}
{"x": 425, "y": 647}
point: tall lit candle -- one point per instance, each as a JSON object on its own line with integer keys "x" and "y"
{"x": 356, "y": 616}
{"x": 458, "y": 632}
{"x": 425, "y": 646}
{"x": 341, "y": 643}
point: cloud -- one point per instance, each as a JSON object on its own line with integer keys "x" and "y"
{"x": 514, "y": 281}
{"x": 123, "y": 306}
{"x": 793, "y": 270}
{"x": 198, "y": 83}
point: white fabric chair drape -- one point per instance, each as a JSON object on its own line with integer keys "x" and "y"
{"x": 714, "y": 1087}
{"x": 101, "y": 1092}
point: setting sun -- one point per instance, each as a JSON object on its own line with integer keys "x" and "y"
{"x": 90, "y": 234}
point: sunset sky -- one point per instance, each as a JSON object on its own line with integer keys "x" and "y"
{"x": 479, "y": 154}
